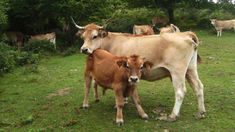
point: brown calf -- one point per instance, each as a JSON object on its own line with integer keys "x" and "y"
{"x": 118, "y": 73}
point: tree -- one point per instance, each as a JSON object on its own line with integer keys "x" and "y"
{"x": 3, "y": 15}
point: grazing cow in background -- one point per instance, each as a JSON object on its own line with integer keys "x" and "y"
{"x": 222, "y": 24}
{"x": 15, "y": 38}
{"x": 121, "y": 74}
{"x": 48, "y": 36}
{"x": 169, "y": 29}
{"x": 143, "y": 29}
{"x": 173, "y": 55}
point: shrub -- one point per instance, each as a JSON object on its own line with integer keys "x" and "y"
{"x": 125, "y": 20}
{"x": 10, "y": 58}
{"x": 40, "y": 47}
{"x": 7, "y": 60}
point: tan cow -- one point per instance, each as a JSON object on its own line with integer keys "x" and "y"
{"x": 15, "y": 38}
{"x": 143, "y": 30}
{"x": 169, "y": 29}
{"x": 222, "y": 24}
{"x": 48, "y": 36}
{"x": 121, "y": 74}
{"x": 173, "y": 55}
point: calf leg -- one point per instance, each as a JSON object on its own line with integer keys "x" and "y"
{"x": 96, "y": 92}
{"x": 136, "y": 100}
{"x": 196, "y": 84}
{"x": 87, "y": 90}
{"x": 119, "y": 104}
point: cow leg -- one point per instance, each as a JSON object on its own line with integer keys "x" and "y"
{"x": 136, "y": 100}
{"x": 178, "y": 80}
{"x": 126, "y": 100}
{"x": 218, "y": 32}
{"x": 120, "y": 104}
{"x": 96, "y": 92}
{"x": 88, "y": 80}
{"x": 196, "y": 84}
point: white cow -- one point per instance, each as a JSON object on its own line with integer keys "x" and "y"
{"x": 222, "y": 24}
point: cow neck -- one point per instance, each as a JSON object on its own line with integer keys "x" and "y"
{"x": 106, "y": 42}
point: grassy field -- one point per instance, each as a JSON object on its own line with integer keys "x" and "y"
{"x": 31, "y": 101}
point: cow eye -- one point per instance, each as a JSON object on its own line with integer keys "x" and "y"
{"x": 142, "y": 67}
{"x": 94, "y": 37}
{"x": 127, "y": 66}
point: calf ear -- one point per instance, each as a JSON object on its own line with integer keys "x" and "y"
{"x": 121, "y": 62}
{"x": 148, "y": 64}
{"x": 103, "y": 33}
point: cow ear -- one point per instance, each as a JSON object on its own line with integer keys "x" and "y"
{"x": 80, "y": 32}
{"x": 122, "y": 62}
{"x": 103, "y": 33}
{"x": 148, "y": 64}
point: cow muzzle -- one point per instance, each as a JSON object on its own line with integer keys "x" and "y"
{"x": 85, "y": 50}
{"x": 134, "y": 79}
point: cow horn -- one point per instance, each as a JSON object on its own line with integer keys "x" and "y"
{"x": 79, "y": 27}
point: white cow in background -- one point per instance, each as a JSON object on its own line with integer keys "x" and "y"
{"x": 222, "y": 24}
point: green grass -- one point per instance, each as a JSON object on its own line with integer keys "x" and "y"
{"x": 24, "y": 105}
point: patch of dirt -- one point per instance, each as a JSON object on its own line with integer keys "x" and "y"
{"x": 60, "y": 92}
{"x": 70, "y": 123}
{"x": 77, "y": 110}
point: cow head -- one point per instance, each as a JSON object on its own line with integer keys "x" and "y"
{"x": 213, "y": 21}
{"x": 134, "y": 67}
{"x": 92, "y": 35}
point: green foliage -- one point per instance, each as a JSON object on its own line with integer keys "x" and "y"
{"x": 187, "y": 18}
{"x": 11, "y": 58}
{"x": 40, "y": 47}
{"x": 3, "y": 15}
{"x": 124, "y": 20}
{"x": 7, "y": 58}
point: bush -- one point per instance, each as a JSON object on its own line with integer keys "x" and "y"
{"x": 10, "y": 58}
{"x": 24, "y": 58}
{"x": 125, "y": 20}
{"x": 40, "y": 47}
{"x": 7, "y": 60}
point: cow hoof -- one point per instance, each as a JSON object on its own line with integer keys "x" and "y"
{"x": 200, "y": 115}
{"x": 85, "y": 106}
{"x": 119, "y": 122}
{"x": 145, "y": 116}
{"x": 126, "y": 100}
{"x": 170, "y": 119}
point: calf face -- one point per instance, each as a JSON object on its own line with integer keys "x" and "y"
{"x": 134, "y": 67}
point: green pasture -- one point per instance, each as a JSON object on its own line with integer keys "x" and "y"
{"x": 30, "y": 101}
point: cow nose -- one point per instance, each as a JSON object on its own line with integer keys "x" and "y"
{"x": 85, "y": 50}
{"x": 134, "y": 79}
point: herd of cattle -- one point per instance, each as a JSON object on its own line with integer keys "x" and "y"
{"x": 18, "y": 38}
{"x": 118, "y": 61}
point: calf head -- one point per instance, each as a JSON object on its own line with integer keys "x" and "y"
{"x": 92, "y": 35}
{"x": 134, "y": 67}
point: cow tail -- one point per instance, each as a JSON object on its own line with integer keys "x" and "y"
{"x": 193, "y": 36}
{"x": 195, "y": 42}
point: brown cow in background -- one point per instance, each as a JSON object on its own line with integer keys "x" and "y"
{"x": 15, "y": 38}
